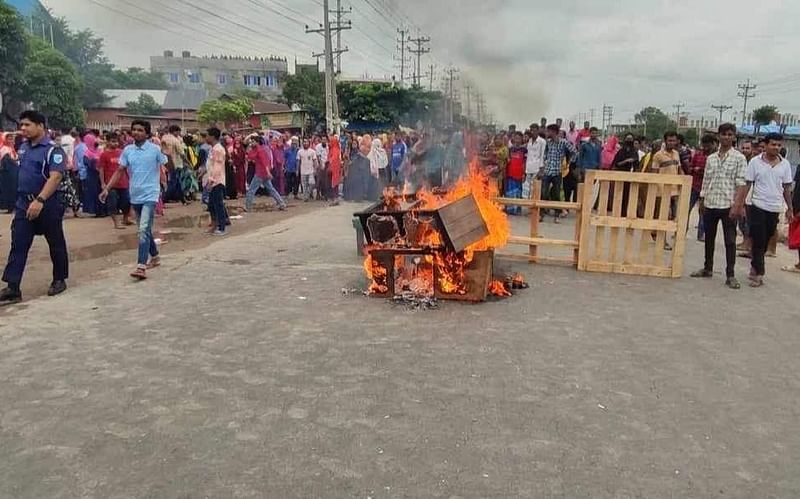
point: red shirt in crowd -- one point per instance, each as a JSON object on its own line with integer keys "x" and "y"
{"x": 108, "y": 164}
{"x": 261, "y": 160}
{"x": 517, "y": 157}
{"x": 697, "y": 168}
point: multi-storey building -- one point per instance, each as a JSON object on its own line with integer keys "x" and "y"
{"x": 222, "y": 74}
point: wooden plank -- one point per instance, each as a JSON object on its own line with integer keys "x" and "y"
{"x": 562, "y": 260}
{"x": 641, "y": 178}
{"x": 639, "y": 223}
{"x": 600, "y": 231}
{"x": 559, "y": 205}
{"x": 682, "y": 219}
{"x": 616, "y": 211}
{"x": 460, "y": 219}
{"x": 527, "y": 203}
{"x": 632, "y": 214}
{"x": 536, "y": 194}
{"x": 649, "y": 208}
{"x": 661, "y": 236}
{"x": 621, "y": 268}
{"x": 578, "y": 224}
{"x": 585, "y": 228}
{"x": 531, "y": 203}
{"x": 541, "y": 241}
{"x": 470, "y": 237}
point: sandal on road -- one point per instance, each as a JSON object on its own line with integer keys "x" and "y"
{"x": 705, "y": 274}
{"x": 791, "y": 268}
{"x": 756, "y": 282}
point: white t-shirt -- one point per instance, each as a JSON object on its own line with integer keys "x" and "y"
{"x": 68, "y": 144}
{"x": 768, "y": 182}
{"x": 535, "y": 155}
{"x": 306, "y": 158}
{"x": 322, "y": 153}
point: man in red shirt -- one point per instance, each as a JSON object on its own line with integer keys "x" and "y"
{"x": 119, "y": 199}
{"x": 697, "y": 168}
{"x": 515, "y": 171}
{"x": 261, "y": 155}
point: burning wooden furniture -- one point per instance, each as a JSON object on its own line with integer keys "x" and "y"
{"x": 427, "y": 251}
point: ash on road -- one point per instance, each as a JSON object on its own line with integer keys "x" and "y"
{"x": 241, "y": 370}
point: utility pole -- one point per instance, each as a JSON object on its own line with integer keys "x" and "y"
{"x": 431, "y": 70}
{"x": 745, "y": 94}
{"x": 468, "y": 89}
{"x": 678, "y": 107}
{"x": 591, "y": 119}
{"x": 340, "y": 13}
{"x": 721, "y": 108}
{"x": 402, "y": 48}
{"x": 608, "y": 115}
{"x": 480, "y": 105}
{"x": 420, "y": 42}
{"x": 451, "y": 73}
{"x": 331, "y": 102}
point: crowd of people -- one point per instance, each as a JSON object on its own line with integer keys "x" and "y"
{"x": 131, "y": 173}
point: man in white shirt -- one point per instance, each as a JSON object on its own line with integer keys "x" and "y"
{"x": 769, "y": 176}
{"x": 308, "y": 160}
{"x": 535, "y": 161}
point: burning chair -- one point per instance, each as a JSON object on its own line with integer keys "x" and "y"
{"x": 435, "y": 244}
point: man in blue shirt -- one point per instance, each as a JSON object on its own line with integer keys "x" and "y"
{"x": 143, "y": 160}
{"x": 290, "y": 165}
{"x": 399, "y": 151}
{"x": 557, "y": 149}
{"x": 37, "y": 210}
{"x": 590, "y": 153}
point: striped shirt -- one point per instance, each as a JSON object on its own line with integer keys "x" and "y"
{"x": 555, "y": 152}
{"x": 723, "y": 175}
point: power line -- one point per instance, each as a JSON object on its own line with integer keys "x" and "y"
{"x": 721, "y": 108}
{"x": 420, "y": 42}
{"x": 745, "y": 94}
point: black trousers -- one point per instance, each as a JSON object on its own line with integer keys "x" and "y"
{"x": 762, "y": 227}
{"x": 711, "y": 218}
{"x": 47, "y": 224}
{"x": 292, "y": 183}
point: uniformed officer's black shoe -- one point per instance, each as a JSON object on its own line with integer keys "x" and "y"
{"x": 10, "y": 296}
{"x": 56, "y": 288}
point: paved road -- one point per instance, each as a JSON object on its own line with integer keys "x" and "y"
{"x": 240, "y": 370}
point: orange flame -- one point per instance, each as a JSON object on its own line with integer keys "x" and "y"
{"x": 498, "y": 288}
{"x": 378, "y": 274}
{"x": 450, "y": 268}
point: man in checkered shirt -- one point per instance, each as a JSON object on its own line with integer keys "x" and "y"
{"x": 724, "y": 175}
{"x": 556, "y": 150}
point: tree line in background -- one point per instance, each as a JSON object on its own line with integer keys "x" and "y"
{"x": 63, "y": 79}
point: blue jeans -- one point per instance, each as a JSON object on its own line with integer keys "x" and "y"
{"x": 694, "y": 197}
{"x": 216, "y": 206}
{"x": 513, "y": 190}
{"x": 147, "y": 245}
{"x": 255, "y": 185}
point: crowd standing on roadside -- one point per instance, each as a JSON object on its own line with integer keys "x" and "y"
{"x": 131, "y": 173}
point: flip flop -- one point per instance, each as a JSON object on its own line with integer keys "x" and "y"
{"x": 791, "y": 268}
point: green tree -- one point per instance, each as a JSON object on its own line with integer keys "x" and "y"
{"x": 223, "y": 112}
{"x": 653, "y": 122}
{"x": 13, "y": 49}
{"x": 246, "y": 93}
{"x": 765, "y": 114}
{"x": 145, "y": 105}
{"x": 52, "y": 85}
{"x": 307, "y": 90}
{"x": 139, "y": 79}
{"x": 692, "y": 137}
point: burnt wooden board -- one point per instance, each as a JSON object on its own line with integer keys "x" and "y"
{"x": 462, "y": 223}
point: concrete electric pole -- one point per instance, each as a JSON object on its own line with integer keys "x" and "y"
{"x": 745, "y": 94}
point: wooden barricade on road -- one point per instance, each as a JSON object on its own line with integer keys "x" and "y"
{"x": 533, "y": 239}
{"x": 633, "y": 223}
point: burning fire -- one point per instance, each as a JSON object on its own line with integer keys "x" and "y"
{"x": 498, "y": 288}
{"x": 449, "y": 268}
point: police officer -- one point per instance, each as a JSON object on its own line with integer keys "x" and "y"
{"x": 38, "y": 210}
